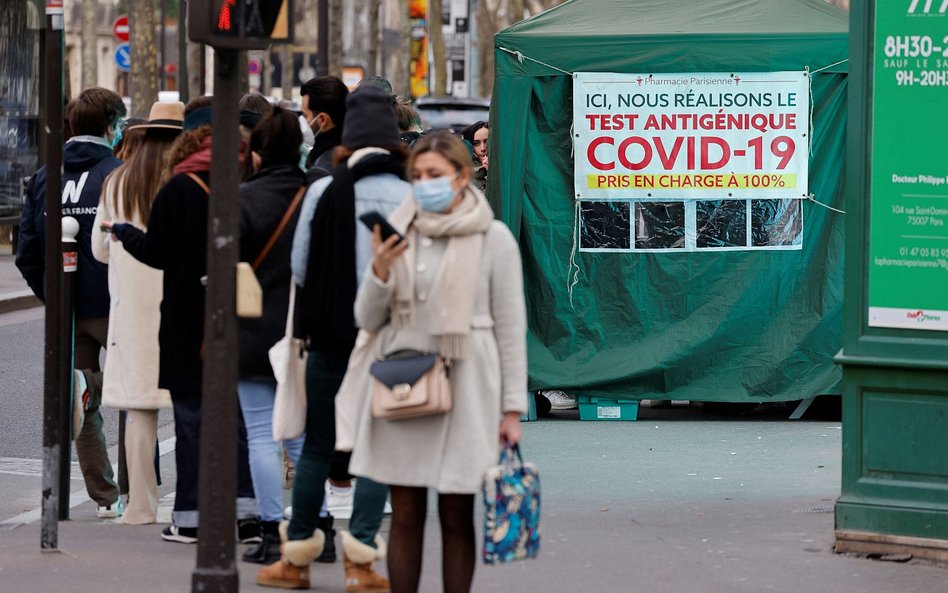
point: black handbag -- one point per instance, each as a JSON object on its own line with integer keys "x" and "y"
{"x": 408, "y": 384}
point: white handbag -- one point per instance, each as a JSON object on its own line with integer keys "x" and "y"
{"x": 288, "y": 359}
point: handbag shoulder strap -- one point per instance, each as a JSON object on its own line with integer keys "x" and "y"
{"x": 200, "y": 182}
{"x": 279, "y": 230}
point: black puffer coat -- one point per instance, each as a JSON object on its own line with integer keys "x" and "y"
{"x": 264, "y": 199}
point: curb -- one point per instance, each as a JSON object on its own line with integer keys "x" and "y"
{"x": 17, "y": 301}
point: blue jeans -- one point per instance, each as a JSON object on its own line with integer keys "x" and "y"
{"x": 266, "y": 456}
{"x": 324, "y": 374}
{"x": 187, "y": 430}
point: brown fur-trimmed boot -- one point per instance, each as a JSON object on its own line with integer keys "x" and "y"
{"x": 358, "y": 558}
{"x": 291, "y": 571}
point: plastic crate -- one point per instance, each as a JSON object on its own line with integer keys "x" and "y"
{"x": 603, "y": 408}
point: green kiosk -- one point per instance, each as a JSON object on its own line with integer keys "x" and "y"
{"x": 894, "y": 495}
{"x": 694, "y": 276}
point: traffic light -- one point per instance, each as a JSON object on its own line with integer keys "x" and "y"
{"x": 240, "y": 24}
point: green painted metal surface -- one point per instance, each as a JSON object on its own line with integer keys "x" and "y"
{"x": 895, "y": 377}
{"x": 742, "y": 326}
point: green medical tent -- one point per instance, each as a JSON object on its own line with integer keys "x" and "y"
{"x": 728, "y": 326}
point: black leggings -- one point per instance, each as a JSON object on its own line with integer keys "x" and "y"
{"x": 406, "y": 541}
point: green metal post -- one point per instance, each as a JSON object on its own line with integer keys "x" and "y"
{"x": 895, "y": 345}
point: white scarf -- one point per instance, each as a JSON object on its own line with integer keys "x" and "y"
{"x": 452, "y": 296}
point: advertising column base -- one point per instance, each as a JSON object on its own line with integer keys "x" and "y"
{"x": 894, "y": 497}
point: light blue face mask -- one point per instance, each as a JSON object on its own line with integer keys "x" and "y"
{"x": 117, "y": 134}
{"x": 434, "y": 195}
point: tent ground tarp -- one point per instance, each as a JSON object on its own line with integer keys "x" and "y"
{"x": 722, "y": 326}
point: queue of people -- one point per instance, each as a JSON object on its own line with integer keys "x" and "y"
{"x": 447, "y": 283}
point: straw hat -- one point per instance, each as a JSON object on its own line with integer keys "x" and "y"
{"x": 166, "y": 116}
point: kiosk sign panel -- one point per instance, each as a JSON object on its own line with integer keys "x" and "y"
{"x": 908, "y": 213}
{"x": 695, "y": 161}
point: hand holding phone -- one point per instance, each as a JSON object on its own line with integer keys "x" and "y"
{"x": 373, "y": 219}
{"x": 387, "y": 244}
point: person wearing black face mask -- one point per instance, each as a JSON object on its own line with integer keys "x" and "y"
{"x": 324, "y": 108}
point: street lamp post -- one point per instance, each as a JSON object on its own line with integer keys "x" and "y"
{"x": 216, "y": 571}
{"x": 56, "y": 446}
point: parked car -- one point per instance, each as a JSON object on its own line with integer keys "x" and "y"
{"x": 453, "y": 113}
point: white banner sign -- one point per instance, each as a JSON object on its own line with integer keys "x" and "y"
{"x": 691, "y": 136}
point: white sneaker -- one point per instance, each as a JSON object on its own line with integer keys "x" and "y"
{"x": 339, "y": 504}
{"x": 111, "y": 511}
{"x": 560, "y": 400}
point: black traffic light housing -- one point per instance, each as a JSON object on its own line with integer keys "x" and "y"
{"x": 240, "y": 24}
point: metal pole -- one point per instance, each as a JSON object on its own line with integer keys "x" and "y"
{"x": 203, "y": 69}
{"x": 216, "y": 571}
{"x": 322, "y": 39}
{"x": 183, "y": 91}
{"x": 69, "y": 229}
{"x": 52, "y": 505}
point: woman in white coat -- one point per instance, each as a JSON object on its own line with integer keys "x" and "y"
{"x": 130, "y": 378}
{"x": 454, "y": 287}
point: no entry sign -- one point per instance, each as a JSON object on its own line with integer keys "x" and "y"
{"x": 120, "y": 28}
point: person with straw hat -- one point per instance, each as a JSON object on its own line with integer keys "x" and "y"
{"x": 130, "y": 379}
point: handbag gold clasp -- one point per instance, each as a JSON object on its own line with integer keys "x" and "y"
{"x": 401, "y": 391}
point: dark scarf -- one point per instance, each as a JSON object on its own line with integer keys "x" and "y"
{"x": 326, "y": 316}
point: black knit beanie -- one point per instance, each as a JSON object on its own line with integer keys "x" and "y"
{"x": 370, "y": 119}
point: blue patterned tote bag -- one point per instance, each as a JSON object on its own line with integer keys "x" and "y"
{"x": 512, "y": 509}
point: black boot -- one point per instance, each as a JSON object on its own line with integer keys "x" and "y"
{"x": 329, "y": 548}
{"x": 268, "y": 550}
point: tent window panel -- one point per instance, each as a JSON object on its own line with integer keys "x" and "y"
{"x": 605, "y": 225}
{"x": 776, "y": 223}
{"x": 659, "y": 225}
{"x": 721, "y": 224}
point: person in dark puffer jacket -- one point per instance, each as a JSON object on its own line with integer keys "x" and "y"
{"x": 96, "y": 119}
{"x": 275, "y": 189}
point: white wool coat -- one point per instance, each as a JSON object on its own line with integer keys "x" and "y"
{"x": 449, "y": 452}
{"x": 130, "y": 377}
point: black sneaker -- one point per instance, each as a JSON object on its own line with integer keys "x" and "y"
{"x": 248, "y": 531}
{"x": 182, "y": 535}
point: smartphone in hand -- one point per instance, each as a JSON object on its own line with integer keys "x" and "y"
{"x": 370, "y": 219}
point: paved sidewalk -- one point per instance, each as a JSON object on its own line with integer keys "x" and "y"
{"x": 674, "y": 503}
{"x": 14, "y": 293}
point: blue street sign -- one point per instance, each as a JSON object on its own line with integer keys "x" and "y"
{"x": 123, "y": 57}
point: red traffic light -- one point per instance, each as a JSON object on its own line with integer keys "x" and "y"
{"x": 224, "y": 20}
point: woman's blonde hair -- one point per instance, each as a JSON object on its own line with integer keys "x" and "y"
{"x": 445, "y": 144}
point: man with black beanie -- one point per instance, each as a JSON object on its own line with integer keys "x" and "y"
{"x": 331, "y": 251}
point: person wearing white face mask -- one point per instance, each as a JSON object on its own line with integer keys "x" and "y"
{"x": 453, "y": 287}
{"x": 324, "y": 109}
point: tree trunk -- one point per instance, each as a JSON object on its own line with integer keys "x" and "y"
{"x": 195, "y": 70}
{"x": 243, "y": 73}
{"x": 402, "y": 69}
{"x": 265, "y": 65}
{"x": 143, "y": 80}
{"x": 486, "y": 27}
{"x": 90, "y": 61}
{"x": 286, "y": 63}
{"x": 375, "y": 39}
{"x": 335, "y": 37}
{"x": 514, "y": 11}
{"x": 436, "y": 37}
